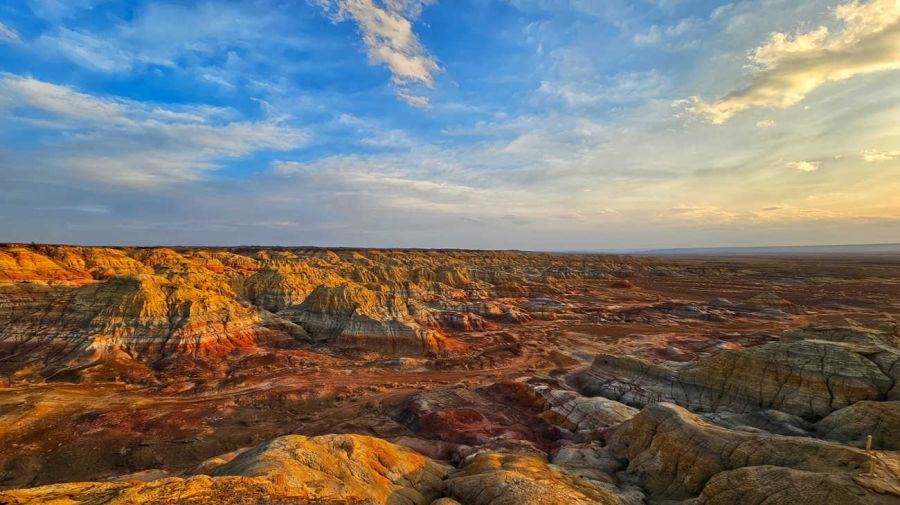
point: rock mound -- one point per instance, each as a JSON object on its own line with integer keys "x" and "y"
{"x": 494, "y": 479}
{"x": 294, "y": 469}
{"x": 676, "y": 455}
{"x": 808, "y": 378}
{"x": 355, "y": 316}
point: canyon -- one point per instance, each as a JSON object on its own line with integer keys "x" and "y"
{"x": 308, "y": 375}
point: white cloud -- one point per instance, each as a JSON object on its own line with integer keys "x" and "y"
{"x": 388, "y": 34}
{"x": 708, "y": 214}
{"x": 124, "y": 142}
{"x": 619, "y": 88}
{"x": 791, "y": 213}
{"x": 371, "y": 132}
{"x": 281, "y": 167}
{"x": 803, "y": 166}
{"x": 701, "y": 214}
{"x": 61, "y": 101}
{"x": 874, "y": 155}
{"x": 414, "y": 100}
{"x": 386, "y": 139}
{"x": 141, "y": 169}
{"x": 765, "y": 123}
{"x": 88, "y": 209}
{"x": 408, "y": 8}
{"x": 57, "y": 10}
{"x": 657, "y": 35}
{"x": 790, "y": 66}
{"x": 158, "y": 34}
{"x": 8, "y": 33}
{"x": 87, "y": 50}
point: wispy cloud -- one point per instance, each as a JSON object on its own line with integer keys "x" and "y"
{"x": 7, "y": 33}
{"x": 803, "y": 166}
{"x": 159, "y": 34}
{"x": 61, "y": 101}
{"x": 88, "y": 209}
{"x": 619, "y": 88}
{"x": 663, "y": 35}
{"x": 875, "y": 156}
{"x": 790, "y": 66}
{"x": 388, "y": 34}
{"x": 556, "y": 132}
{"x": 706, "y": 214}
{"x": 701, "y": 214}
{"x": 118, "y": 141}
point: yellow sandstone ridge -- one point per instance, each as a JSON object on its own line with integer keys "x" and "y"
{"x": 328, "y": 469}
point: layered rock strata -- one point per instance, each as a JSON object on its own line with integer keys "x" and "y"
{"x": 91, "y": 313}
{"x": 810, "y": 378}
{"x": 676, "y": 455}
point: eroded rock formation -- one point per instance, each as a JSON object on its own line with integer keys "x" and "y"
{"x": 676, "y": 455}
{"x": 495, "y": 479}
{"x": 293, "y": 469}
{"x": 810, "y": 378}
{"x": 85, "y": 313}
{"x": 443, "y": 378}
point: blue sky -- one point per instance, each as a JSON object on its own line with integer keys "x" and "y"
{"x": 537, "y": 124}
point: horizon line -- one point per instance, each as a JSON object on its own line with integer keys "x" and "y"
{"x": 625, "y": 251}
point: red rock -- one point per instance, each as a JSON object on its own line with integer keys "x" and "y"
{"x": 456, "y": 425}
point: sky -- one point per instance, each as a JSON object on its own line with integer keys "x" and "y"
{"x": 497, "y": 124}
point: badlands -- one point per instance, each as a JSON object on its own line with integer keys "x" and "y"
{"x": 315, "y": 376}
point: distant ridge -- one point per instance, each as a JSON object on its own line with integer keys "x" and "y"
{"x": 797, "y": 249}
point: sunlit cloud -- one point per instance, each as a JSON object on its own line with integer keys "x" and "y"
{"x": 702, "y": 214}
{"x": 875, "y": 156}
{"x": 804, "y": 166}
{"x": 388, "y": 34}
{"x": 790, "y": 66}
